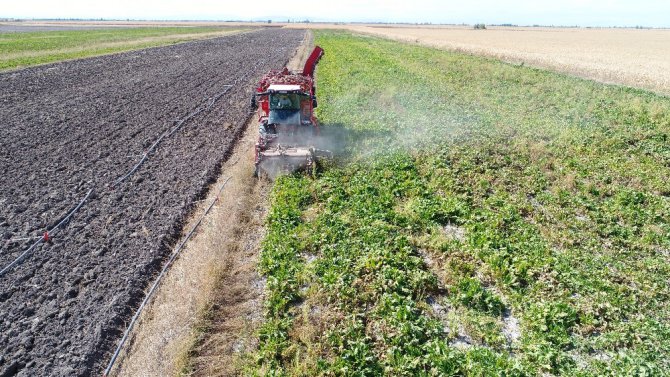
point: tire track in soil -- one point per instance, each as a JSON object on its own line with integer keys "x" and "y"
{"x": 80, "y": 124}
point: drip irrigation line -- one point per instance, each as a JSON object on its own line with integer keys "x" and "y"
{"x": 46, "y": 236}
{"x": 210, "y": 102}
{"x": 149, "y": 294}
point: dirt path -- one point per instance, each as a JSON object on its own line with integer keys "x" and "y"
{"x": 205, "y": 312}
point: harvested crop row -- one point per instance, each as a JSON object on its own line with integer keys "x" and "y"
{"x": 78, "y": 125}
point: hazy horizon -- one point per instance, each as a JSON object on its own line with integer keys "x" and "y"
{"x": 284, "y": 20}
{"x": 596, "y": 13}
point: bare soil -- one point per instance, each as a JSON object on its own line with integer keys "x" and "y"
{"x": 79, "y": 125}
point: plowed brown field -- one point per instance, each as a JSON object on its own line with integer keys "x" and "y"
{"x": 80, "y": 125}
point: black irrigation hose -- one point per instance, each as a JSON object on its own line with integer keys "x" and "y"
{"x": 211, "y": 101}
{"x": 158, "y": 280}
{"x": 65, "y": 219}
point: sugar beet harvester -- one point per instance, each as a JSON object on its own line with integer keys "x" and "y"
{"x": 287, "y": 128}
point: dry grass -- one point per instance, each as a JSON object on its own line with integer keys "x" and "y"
{"x": 226, "y": 322}
{"x": 631, "y": 57}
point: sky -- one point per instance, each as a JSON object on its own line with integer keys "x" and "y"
{"x": 652, "y": 13}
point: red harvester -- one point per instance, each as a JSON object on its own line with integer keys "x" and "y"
{"x": 287, "y": 125}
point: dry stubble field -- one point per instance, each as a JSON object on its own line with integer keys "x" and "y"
{"x": 631, "y": 57}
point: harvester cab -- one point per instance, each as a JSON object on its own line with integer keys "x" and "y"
{"x": 289, "y": 110}
{"x": 287, "y": 124}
